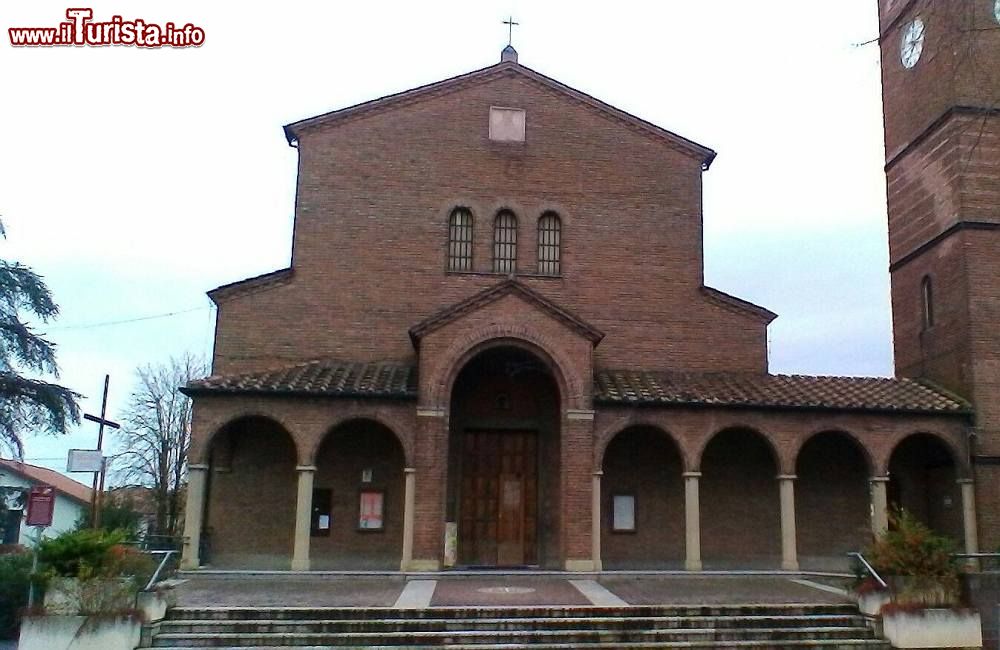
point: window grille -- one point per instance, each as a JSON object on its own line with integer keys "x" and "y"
{"x": 460, "y": 240}
{"x": 549, "y": 244}
{"x": 505, "y": 242}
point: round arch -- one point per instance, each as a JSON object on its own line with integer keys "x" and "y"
{"x": 740, "y": 502}
{"x": 642, "y": 500}
{"x": 201, "y": 453}
{"x": 252, "y": 486}
{"x": 857, "y": 443}
{"x": 604, "y": 438}
{"x": 731, "y": 429}
{"x": 923, "y": 471}
{"x": 832, "y": 504}
{"x": 390, "y": 424}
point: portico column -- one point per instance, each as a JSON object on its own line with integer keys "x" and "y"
{"x": 595, "y": 520}
{"x": 789, "y": 548}
{"x": 880, "y": 506}
{"x": 692, "y": 522}
{"x": 193, "y": 513}
{"x": 969, "y": 515}
{"x": 409, "y": 504}
{"x": 303, "y": 518}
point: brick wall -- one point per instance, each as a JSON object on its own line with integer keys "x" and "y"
{"x": 374, "y": 196}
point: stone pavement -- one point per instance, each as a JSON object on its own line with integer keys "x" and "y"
{"x": 485, "y": 590}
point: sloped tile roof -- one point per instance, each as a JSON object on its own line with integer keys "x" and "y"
{"x": 397, "y": 380}
{"x": 324, "y": 377}
{"x": 775, "y": 391}
{"x": 43, "y": 475}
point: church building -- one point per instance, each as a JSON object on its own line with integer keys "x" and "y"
{"x": 494, "y": 347}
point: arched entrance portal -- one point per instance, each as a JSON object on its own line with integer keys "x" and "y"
{"x": 503, "y": 459}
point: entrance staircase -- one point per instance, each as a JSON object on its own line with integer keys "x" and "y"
{"x": 832, "y": 627}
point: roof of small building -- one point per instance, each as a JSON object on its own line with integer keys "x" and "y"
{"x": 43, "y": 475}
{"x": 731, "y": 389}
{"x": 398, "y": 380}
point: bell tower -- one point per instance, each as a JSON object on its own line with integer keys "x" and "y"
{"x": 941, "y": 98}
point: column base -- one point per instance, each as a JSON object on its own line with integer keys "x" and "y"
{"x": 420, "y": 565}
{"x": 190, "y": 564}
{"x": 692, "y": 565}
{"x": 581, "y": 565}
{"x": 789, "y": 566}
{"x": 300, "y": 565}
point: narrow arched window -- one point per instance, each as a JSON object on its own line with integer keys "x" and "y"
{"x": 549, "y": 244}
{"x": 927, "y": 302}
{"x": 505, "y": 242}
{"x": 460, "y": 240}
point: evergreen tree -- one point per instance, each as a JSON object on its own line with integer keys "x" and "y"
{"x": 28, "y": 404}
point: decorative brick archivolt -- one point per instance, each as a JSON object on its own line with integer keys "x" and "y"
{"x": 440, "y": 374}
{"x": 381, "y": 418}
{"x": 221, "y": 420}
{"x": 953, "y": 443}
{"x": 603, "y": 438}
{"x": 858, "y": 443}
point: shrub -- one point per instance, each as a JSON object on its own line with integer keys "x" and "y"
{"x": 15, "y": 574}
{"x": 81, "y": 551}
{"x": 921, "y": 558}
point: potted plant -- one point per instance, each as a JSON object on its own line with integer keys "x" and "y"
{"x": 923, "y": 608}
{"x": 92, "y": 581}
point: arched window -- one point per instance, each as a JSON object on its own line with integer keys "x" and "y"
{"x": 927, "y": 302}
{"x": 505, "y": 242}
{"x": 460, "y": 240}
{"x": 549, "y": 244}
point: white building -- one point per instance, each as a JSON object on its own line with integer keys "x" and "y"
{"x": 16, "y": 479}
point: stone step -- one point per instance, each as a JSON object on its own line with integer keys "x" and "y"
{"x": 836, "y": 644}
{"x": 497, "y": 624}
{"x": 388, "y": 613}
{"x": 516, "y": 637}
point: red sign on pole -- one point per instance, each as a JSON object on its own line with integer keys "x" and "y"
{"x": 41, "y": 503}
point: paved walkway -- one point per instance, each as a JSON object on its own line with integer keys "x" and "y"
{"x": 499, "y": 591}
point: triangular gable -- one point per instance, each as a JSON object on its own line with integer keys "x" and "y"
{"x": 494, "y": 293}
{"x": 483, "y": 75}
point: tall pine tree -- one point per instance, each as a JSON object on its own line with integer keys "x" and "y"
{"x": 28, "y": 404}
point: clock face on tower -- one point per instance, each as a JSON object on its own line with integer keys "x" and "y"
{"x": 912, "y": 42}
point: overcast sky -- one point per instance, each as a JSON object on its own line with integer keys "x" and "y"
{"x": 135, "y": 180}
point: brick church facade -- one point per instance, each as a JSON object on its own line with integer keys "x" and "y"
{"x": 494, "y": 347}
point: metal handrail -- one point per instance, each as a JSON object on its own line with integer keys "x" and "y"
{"x": 163, "y": 562}
{"x": 868, "y": 567}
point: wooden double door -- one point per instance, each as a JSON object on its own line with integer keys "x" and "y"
{"x": 498, "y": 507}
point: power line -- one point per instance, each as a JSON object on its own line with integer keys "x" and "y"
{"x": 127, "y": 320}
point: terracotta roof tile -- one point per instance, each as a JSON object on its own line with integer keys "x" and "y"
{"x": 774, "y": 391}
{"x": 67, "y": 486}
{"x": 322, "y": 377}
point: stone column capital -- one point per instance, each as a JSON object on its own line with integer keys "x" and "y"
{"x": 786, "y": 477}
{"x": 197, "y": 467}
{"x": 691, "y": 474}
{"x": 966, "y": 481}
{"x": 409, "y": 470}
{"x": 305, "y": 468}
{"x": 879, "y": 479}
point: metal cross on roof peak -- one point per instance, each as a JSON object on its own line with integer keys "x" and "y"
{"x": 510, "y": 29}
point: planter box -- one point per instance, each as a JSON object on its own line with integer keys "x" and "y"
{"x": 870, "y": 603}
{"x": 71, "y": 596}
{"x": 933, "y": 628}
{"x": 79, "y": 633}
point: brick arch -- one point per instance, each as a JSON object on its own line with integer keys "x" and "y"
{"x": 444, "y": 372}
{"x": 954, "y": 450}
{"x": 603, "y": 438}
{"x": 780, "y": 462}
{"x": 858, "y": 443}
{"x": 385, "y": 421}
{"x": 198, "y": 454}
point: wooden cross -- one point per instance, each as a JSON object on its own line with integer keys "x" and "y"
{"x": 95, "y": 503}
{"x": 510, "y": 28}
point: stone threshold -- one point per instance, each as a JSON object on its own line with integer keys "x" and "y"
{"x": 518, "y": 573}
